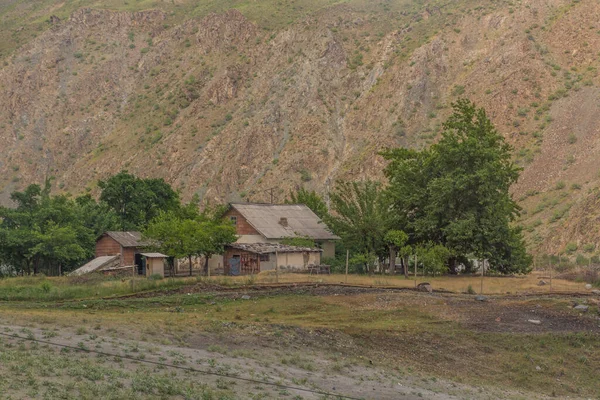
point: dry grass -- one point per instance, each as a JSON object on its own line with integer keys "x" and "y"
{"x": 458, "y": 284}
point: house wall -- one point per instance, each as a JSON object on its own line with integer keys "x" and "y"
{"x": 155, "y": 266}
{"x": 107, "y": 246}
{"x": 242, "y": 226}
{"x": 254, "y": 239}
{"x": 229, "y": 253}
{"x": 128, "y": 255}
{"x": 297, "y": 261}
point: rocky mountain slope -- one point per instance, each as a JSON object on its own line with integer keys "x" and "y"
{"x": 231, "y": 99}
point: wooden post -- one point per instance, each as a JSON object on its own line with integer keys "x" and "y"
{"x": 415, "y": 269}
{"x": 551, "y": 271}
{"x": 276, "y": 267}
{"x": 347, "y": 256}
{"x": 482, "y": 270}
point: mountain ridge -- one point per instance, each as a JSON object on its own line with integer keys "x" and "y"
{"x": 225, "y": 108}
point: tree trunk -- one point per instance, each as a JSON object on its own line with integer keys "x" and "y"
{"x": 190, "y": 258}
{"x": 452, "y": 265}
{"x": 206, "y": 257}
{"x": 392, "y": 260}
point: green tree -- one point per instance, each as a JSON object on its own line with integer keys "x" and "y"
{"x": 44, "y": 233}
{"x": 187, "y": 233}
{"x": 311, "y": 199}
{"x": 361, "y": 217}
{"x": 175, "y": 236}
{"x": 456, "y": 193}
{"x": 397, "y": 241}
{"x": 137, "y": 201}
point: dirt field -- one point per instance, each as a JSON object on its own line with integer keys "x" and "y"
{"x": 300, "y": 342}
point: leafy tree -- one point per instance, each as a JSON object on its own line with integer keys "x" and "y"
{"x": 435, "y": 258}
{"x": 456, "y": 193}
{"x": 44, "y": 233}
{"x": 187, "y": 233}
{"x": 216, "y": 235}
{"x": 397, "y": 242}
{"x": 137, "y": 201}
{"x": 175, "y": 236}
{"x": 361, "y": 217}
{"x": 311, "y": 199}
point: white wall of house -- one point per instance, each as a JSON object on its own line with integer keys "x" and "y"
{"x": 297, "y": 261}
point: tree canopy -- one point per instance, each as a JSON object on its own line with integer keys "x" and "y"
{"x": 50, "y": 234}
{"x": 136, "y": 200}
{"x": 187, "y": 232}
{"x": 456, "y": 193}
{"x": 361, "y": 217}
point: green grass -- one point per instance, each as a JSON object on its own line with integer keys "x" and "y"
{"x": 69, "y": 288}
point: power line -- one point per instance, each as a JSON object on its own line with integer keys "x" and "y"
{"x": 190, "y": 369}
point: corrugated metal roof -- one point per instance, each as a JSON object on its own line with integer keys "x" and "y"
{"x": 96, "y": 264}
{"x": 270, "y": 248}
{"x": 127, "y": 239}
{"x": 300, "y": 221}
{"x": 154, "y": 255}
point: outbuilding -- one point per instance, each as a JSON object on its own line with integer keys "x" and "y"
{"x": 252, "y": 258}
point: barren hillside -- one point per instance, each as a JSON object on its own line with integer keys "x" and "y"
{"x": 232, "y": 98}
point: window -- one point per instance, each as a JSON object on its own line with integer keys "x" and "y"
{"x": 233, "y": 220}
{"x": 264, "y": 257}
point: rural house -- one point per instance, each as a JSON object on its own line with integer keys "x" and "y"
{"x": 118, "y": 252}
{"x": 270, "y": 223}
{"x": 252, "y": 258}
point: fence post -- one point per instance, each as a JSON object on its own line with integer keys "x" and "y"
{"x": 482, "y": 270}
{"x": 415, "y": 269}
{"x": 276, "y": 267}
{"x": 347, "y": 256}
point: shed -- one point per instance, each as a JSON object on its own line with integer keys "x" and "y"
{"x": 127, "y": 245}
{"x": 252, "y": 258}
{"x": 152, "y": 264}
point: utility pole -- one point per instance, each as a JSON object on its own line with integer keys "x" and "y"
{"x": 271, "y": 193}
{"x": 276, "y": 267}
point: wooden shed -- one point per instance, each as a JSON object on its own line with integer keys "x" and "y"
{"x": 152, "y": 264}
{"x": 127, "y": 245}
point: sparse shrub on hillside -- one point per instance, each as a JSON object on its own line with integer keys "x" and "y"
{"x": 575, "y": 186}
{"x": 571, "y": 247}
{"x": 305, "y": 175}
{"x": 581, "y": 260}
{"x": 572, "y": 138}
{"x": 560, "y": 185}
{"x": 589, "y": 247}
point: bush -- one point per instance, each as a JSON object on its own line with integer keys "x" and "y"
{"x": 470, "y": 290}
{"x": 588, "y": 248}
{"x": 571, "y": 247}
{"x": 46, "y": 287}
{"x": 581, "y": 260}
